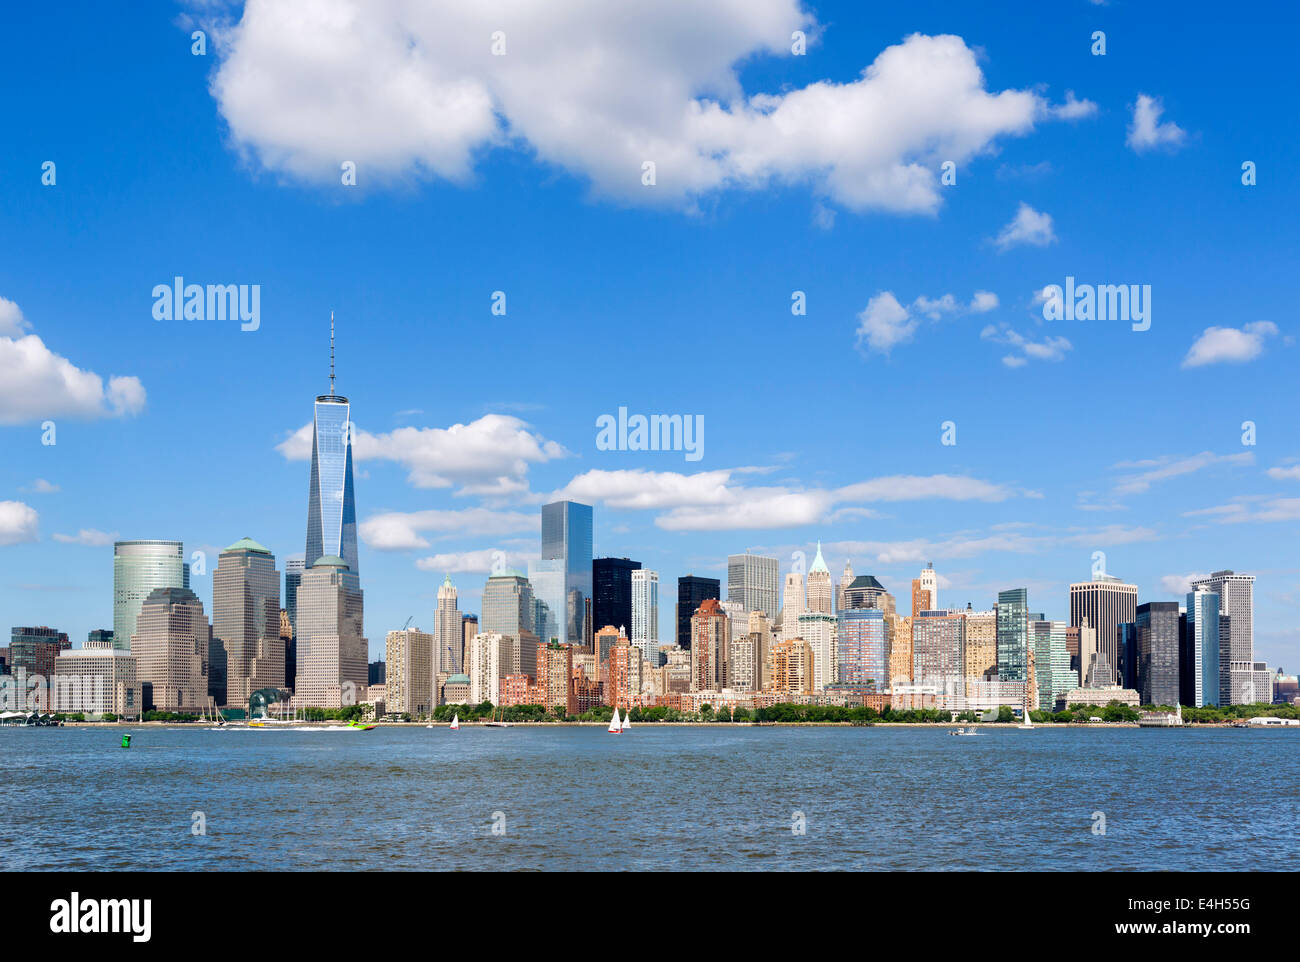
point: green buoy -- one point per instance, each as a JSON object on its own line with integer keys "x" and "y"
{"x": 126, "y": 741}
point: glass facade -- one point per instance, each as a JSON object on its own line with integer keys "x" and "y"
{"x": 509, "y": 609}
{"x": 691, "y": 593}
{"x": 1201, "y": 649}
{"x": 939, "y": 649}
{"x": 1013, "y": 636}
{"x": 863, "y": 654}
{"x": 138, "y": 568}
{"x": 1053, "y": 675}
{"x": 612, "y": 592}
{"x": 752, "y": 580}
{"x": 331, "y": 507}
{"x": 1157, "y": 652}
{"x": 566, "y": 550}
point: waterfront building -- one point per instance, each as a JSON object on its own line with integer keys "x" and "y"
{"x": 1013, "y": 634}
{"x": 846, "y": 579}
{"x": 744, "y": 661}
{"x": 333, "y": 653}
{"x": 171, "y": 644}
{"x": 1199, "y": 653}
{"x": 1156, "y": 645}
{"x": 1100, "y": 697}
{"x": 818, "y": 630}
{"x": 862, "y": 656}
{"x": 246, "y": 621}
{"x": 611, "y": 585}
{"x": 508, "y": 609}
{"x": 97, "y": 679}
{"x": 455, "y": 690}
{"x": 555, "y": 677}
{"x": 138, "y": 568}
{"x": 645, "y": 614}
{"x": 793, "y": 668}
{"x": 331, "y": 502}
{"x": 448, "y": 632}
{"x": 409, "y": 675}
{"x": 1237, "y": 635}
{"x": 693, "y": 591}
{"x": 623, "y": 688}
{"x": 562, "y": 577}
{"x": 939, "y": 649}
{"x": 710, "y": 640}
{"x": 758, "y": 626}
{"x": 1106, "y": 603}
{"x": 819, "y": 600}
{"x": 1053, "y": 674}
{"x": 981, "y": 654}
{"x": 35, "y": 649}
{"x": 752, "y": 581}
{"x": 491, "y": 658}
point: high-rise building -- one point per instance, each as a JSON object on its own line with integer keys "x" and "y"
{"x": 409, "y": 675}
{"x": 1156, "y": 644}
{"x": 138, "y": 568}
{"x": 645, "y": 614}
{"x": 611, "y": 586}
{"x": 562, "y": 576}
{"x": 603, "y": 641}
{"x": 737, "y": 619}
{"x": 760, "y": 629}
{"x": 792, "y": 605}
{"x": 866, "y": 592}
{"x": 509, "y": 610}
{"x": 793, "y": 668}
{"x": 981, "y": 656}
{"x": 34, "y": 650}
{"x": 939, "y": 649}
{"x": 752, "y": 581}
{"x": 448, "y": 632}
{"x": 293, "y": 568}
{"x": 818, "y": 630}
{"x": 332, "y": 648}
{"x": 1013, "y": 635}
{"x": 491, "y": 657}
{"x": 331, "y": 505}
{"x": 469, "y": 628}
{"x": 246, "y": 620}
{"x": 692, "y": 592}
{"x": 171, "y": 645}
{"x": 1053, "y": 673}
{"x": 862, "y": 657}
{"x": 104, "y": 681}
{"x": 710, "y": 644}
{"x": 819, "y": 600}
{"x": 1198, "y": 658}
{"x": 555, "y": 677}
{"x": 624, "y": 675}
{"x": 846, "y": 579}
{"x": 1237, "y": 601}
{"x": 1106, "y": 602}
{"x": 925, "y": 591}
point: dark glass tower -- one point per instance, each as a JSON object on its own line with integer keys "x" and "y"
{"x": 1157, "y": 652}
{"x": 691, "y": 593}
{"x": 1013, "y": 635}
{"x": 562, "y": 576}
{"x": 331, "y": 507}
{"x": 612, "y": 592}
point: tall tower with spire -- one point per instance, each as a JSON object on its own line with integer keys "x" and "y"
{"x": 819, "y": 585}
{"x": 331, "y": 508}
{"x": 448, "y": 635}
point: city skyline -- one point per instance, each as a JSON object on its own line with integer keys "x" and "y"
{"x": 1130, "y": 443}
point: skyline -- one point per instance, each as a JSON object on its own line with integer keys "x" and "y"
{"x": 827, "y": 426}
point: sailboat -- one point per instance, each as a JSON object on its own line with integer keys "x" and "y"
{"x": 455, "y": 723}
{"x": 1028, "y": 722}
{"x": 627, "y": 720}
{"x": 615, "y": 726}
{"x": 493, "y": 723}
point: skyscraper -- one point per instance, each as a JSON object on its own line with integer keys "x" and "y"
{"x": 752, "y": 581}
{"x": 1106, "y": 602}
{"x": 562, "y": 576}
{"x": 448, "y": 632}
{"x": 792, "y": 605}
{"x": 691, "y": 593}
{"x": 939, "y": 650}
{"x": 331, "y": 507}
{"x": 645, "y": 615}
{"x": 611, "y": 586}
{"x": 138, "y": 568}
{"x": 820, "y": 600}
{"x": 1052, "y": 671}
{"x": 1199, "y": 655}
{"x": 710, "y": 646}
{"x": 846, "y": 579}
{"x": 171, "y": 643}
{"x": 863, "y": 657}
{"x": 1156, "y": 646}
{"x": 293, "y": 569}
{"x": 332, "y": 649}
{"x": 509, "y": 610}
{"x": 1013, "y": 635}
{"x": 246, "y": 620}
{"x": 818, "y": 629}
{"x": 409, "y": 676}
{"x": 1237, "y": 601}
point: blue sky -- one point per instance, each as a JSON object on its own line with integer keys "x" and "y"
{"x": 522, "y": 174}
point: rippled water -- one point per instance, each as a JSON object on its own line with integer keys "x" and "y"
{"x": 656, "y": 798}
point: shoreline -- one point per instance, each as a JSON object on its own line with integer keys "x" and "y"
{"x": 983, "y": 726}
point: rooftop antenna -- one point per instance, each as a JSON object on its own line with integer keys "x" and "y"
{"x": 331, "y": 353}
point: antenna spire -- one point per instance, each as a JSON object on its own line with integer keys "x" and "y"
{"x": 331, "y": 353}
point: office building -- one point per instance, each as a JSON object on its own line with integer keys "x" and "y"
{"x": 246, "y": 621}
{"x": 819, "y": 599}
{"x": 1200, "y": 651}
{"x": 508, "y": 609}
{"x": 760, "y": 629}
{"x": 981, "y": 655}
{"x": 409, "y": 675}
{"x": 1236, "y": 602}
{"x": 846, "y": 579}
{"x": 939, "y": 649}
{"x": 333, "y": 653}
{"x": 138, "y": 568}
{"x": 448, "y": 632}
{"x": 1013, "y": 635}
{"x": 35, "y": 649}
{"x": 645, "y": 614}
{"x": 710, "y": 641}
{"x": 1156, "y": 645}
{"x": 752, "y": 581}
{"x": 1106, "y": 603}
{"x": 866, "y": 592}
{"x": 97, "y": 680}
{"x": 611, "y": 585}
{"x": 862, "y": 653}
{"x": 818, "y": 630}
{"x": 562, "y": 577}
{"x": 792, "y": 605}
{"x": 1053, "y": 674}
{"x": 331, "y": 504}
{"x": 692, "y": 592}
{"x": 171, "y": 645}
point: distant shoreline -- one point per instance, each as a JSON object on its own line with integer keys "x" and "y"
{"x": 988, "y": 726}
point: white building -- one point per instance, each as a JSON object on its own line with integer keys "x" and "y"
{"x": 448, "y": 633}
{"x": 820, "y": 598}
{"x": 409, "y": 676}
{"x": 96, "y": 680}
{"x": 818, "y": 630}
{"x": 491, "y": 657}
{"x": 645, "y": 614}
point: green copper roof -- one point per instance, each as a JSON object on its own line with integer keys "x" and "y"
{"x": 330, "y": 561}
{"x": 819, "y": 564}
{"x": 458, "y": 680}
{"x": 248, "y": 544}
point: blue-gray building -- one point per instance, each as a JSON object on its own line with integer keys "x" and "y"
{"x": 1013, "y": 635}
{"x": 331, "y": 505}
{"x": 1199, "y": 656}
{"x": 562, "y": 576}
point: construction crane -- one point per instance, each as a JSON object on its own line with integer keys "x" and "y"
{"x": 408, "y": 622}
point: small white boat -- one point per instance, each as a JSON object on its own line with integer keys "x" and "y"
{"x": 615, "y": 726}
{"x": 455, "y": 723}
{"x": 627, "y": 720}
{"x": 963, "y": 731}
{"x": 1027, "y": 723}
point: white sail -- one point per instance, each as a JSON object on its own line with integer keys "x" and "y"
{"x": 615, "y": 726}
{"x": 455, "y": 722}
{"x": 627, "y": 720}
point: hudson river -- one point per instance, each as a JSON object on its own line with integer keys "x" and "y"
{"x": 654, "y": 798}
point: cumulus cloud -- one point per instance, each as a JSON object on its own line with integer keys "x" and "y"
{"x": 598, "y": 90}
{"x": 1029, "y": 227}
{"x": 404, "y": 531}
{"x": 1049, "y": 349}
{"x": 18, "y": 523}
{"x": 1217, "y": 345}
{"x": 487, "y": 457}
{"x": 1146, "y": 132}
{"x": 1179, "y": 585}
{"x": 87, "y": 536}
{"x": 715, "y": 501}
{"x": 470, "y": 562}
{"x": 1288, "y": 473}
{"x": 39, "y": 384}
{"x": 885, "y": 323}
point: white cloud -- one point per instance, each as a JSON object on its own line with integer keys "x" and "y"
{"x": 1049, "y": 349}
{"x": 1291, "y": 473}
{"x": 41, "y": 486}
{"x": 711, "y": 501}
{"x": 12, "y": 323}
{"x": 39, "y": 384}
{"x": 87, "y": 536}
{"x": 484, "y": 560}
{"x": 971, "y": 544}
{"x": 18, "y": 522}
{"x": 1251, "y": 508}
{"x": 1073, "y": 109}
{"x": 1229, "y": 344}
{"x": 487, "y": 457}
{"x": 1029, "y": 227}
{"x": 404, "y": 531}
{"x": 1179, "y": 585}
{"x": 1162, "y": 469}
{"x": 1146, "y": 132}
{"x": 885, "y": 323}
{"x": 598, "y": 89}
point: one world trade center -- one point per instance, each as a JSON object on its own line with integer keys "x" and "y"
{"x": 331, "y": 508}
